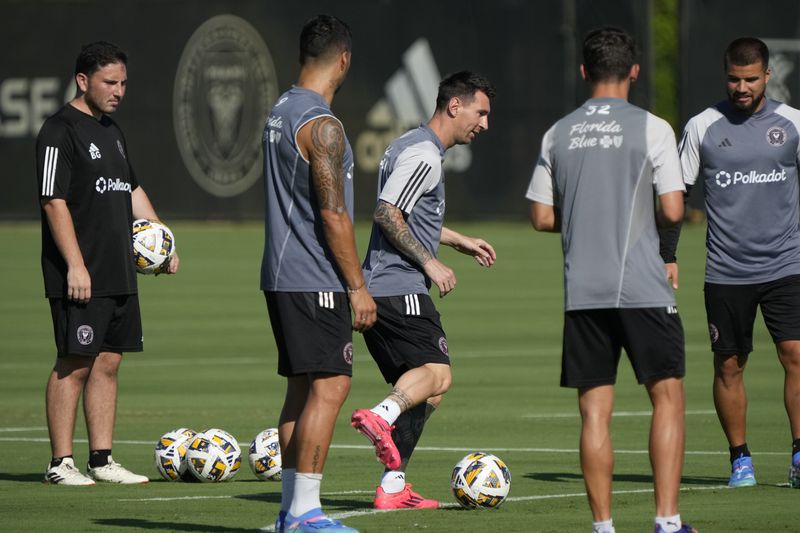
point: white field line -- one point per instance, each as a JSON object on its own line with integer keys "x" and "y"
{"x": 13, "y": 430}
{"x": 460, "y": 449}
{"x": 366, "y": 512}
{"x": 616, "y": 414}
{"x": 178, "y": 498}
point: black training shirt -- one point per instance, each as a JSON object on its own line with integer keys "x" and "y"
{"x": 84, "y": 161}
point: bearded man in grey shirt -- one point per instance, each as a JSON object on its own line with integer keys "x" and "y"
{"x": 745, "y": 150}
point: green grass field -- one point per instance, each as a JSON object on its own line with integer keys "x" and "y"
{"x": 209, "y": 361}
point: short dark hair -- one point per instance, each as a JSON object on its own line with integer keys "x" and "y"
{"x": 462, "y": 85}
{"x": 98, "y": 54}
{"x": 322, "y": 36}
{"x": 746, "y": 51}
{"x": 608, "y": 54}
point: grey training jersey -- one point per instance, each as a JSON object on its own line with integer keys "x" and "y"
{"x": 411, "y": 178}
{"x": 599, "y": 166}
{"x": 296, "y": 256}
{"x": 749, "y": 168}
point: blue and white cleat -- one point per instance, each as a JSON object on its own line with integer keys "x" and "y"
{"x": 315, "y": 521}
{"x": 279, "y": 522}
{"x": 685, "y": 528}
{"x": 794, "y": 472}
{"x": 742, "y": 473}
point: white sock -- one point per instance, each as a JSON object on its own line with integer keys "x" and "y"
{"x": 287, "y": 487}
{"x": 306, "y": 493}
{"x": 388, "y": 409}
{"x": 393, "y": 481}
{"x": 606, "y": 526}
{"x": 669, "y": 524}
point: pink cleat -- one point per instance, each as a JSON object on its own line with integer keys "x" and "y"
{"x": 379, "y": 433}
{"x": 405, "y": 499}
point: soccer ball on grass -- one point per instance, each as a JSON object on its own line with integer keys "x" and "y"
{"x": 480, "y": 481}
{"x": 265, "y": 455}
{"x": 170, "y": 454}
{"x": 213, "y": 455}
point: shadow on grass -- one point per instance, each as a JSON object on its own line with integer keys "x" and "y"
{"x": 165, "y": 526}
{"x": 22, "y": 478}
{"x": 632, "y": 478}
{"x": 329, "y": 504}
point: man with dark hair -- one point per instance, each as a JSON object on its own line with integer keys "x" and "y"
{"x": 87, "y": 262}
{"x": 594, "y": 182}
{"x": 310, "y": 267}
{"x": 408, "y": 342}
{"x": 745, "y": 149}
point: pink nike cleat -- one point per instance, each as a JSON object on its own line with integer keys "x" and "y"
{"x": 405, "y": 499}
{"x": 379, "y": 433}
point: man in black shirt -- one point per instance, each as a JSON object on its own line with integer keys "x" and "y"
{"x": 89, "y": 197}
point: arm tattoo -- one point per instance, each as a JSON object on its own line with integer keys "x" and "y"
{"x": 327, "y": 160}
{"x": 390, "y": 220}
{"x": 401, "y": 399}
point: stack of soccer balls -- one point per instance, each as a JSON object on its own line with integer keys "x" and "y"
{"x": 214, "y": 455}
{"x": 480, "y": 481}
{"x": 153, "y": 246}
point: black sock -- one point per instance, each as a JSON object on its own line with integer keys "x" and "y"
{"x": 408, "y": 429}
{"x": 98, "y": 458}
{"x": 795, "y": 447}
{"x": 739, "y": 451}
{"x": 56, "y": 461}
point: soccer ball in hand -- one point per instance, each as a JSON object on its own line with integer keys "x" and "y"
{"x": 480, "y": 481}
{"x": 265, "y": 455}
{"x": 213, "y": 455}
{"x": 170, "y": 454}
{"x": 153, "y": 246}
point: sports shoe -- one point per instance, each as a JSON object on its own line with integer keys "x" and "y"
{"x": 685, "y": 528}
{"x": 379, "y": 433}
{"x": 313, "y": 521}
{"x": 115, "y": 473}
{"x": 66, "y": 474}
{"x": 794, "y": 472}
{"x": 280, "y": 522}
{"x": 742, "y": 474}
{"x": 405, "y": 499}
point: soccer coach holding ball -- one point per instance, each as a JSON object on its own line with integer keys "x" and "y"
{"x": 89, "y": 197}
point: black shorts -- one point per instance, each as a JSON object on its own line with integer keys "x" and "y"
{"x": 105, "y": 324}
{"x": 407, "y": 334}
{"x": 731, "y": 312}
{"x": 313, "y": 332}
{"x": 593, "y": 339}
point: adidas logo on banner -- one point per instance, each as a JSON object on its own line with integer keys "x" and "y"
{"x": 410, "y": 99}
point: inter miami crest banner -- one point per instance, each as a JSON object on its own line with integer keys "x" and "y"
{"x": 203, "y": 75}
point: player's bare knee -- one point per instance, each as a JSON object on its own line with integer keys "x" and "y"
{"x": 442, "y": 377}
{"x": 332, "y": 390}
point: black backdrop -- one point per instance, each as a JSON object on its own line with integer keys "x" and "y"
{"x": 707, "y": 26}
{"x": 529, "y": 49}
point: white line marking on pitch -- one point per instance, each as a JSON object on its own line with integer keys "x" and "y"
{"x": 12, "y": 430}
{"x": 352, "y": 514}
{"x": 178, "y": 498}
{"x": 419, "y": 448}
{"x": 616, "y": 414}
